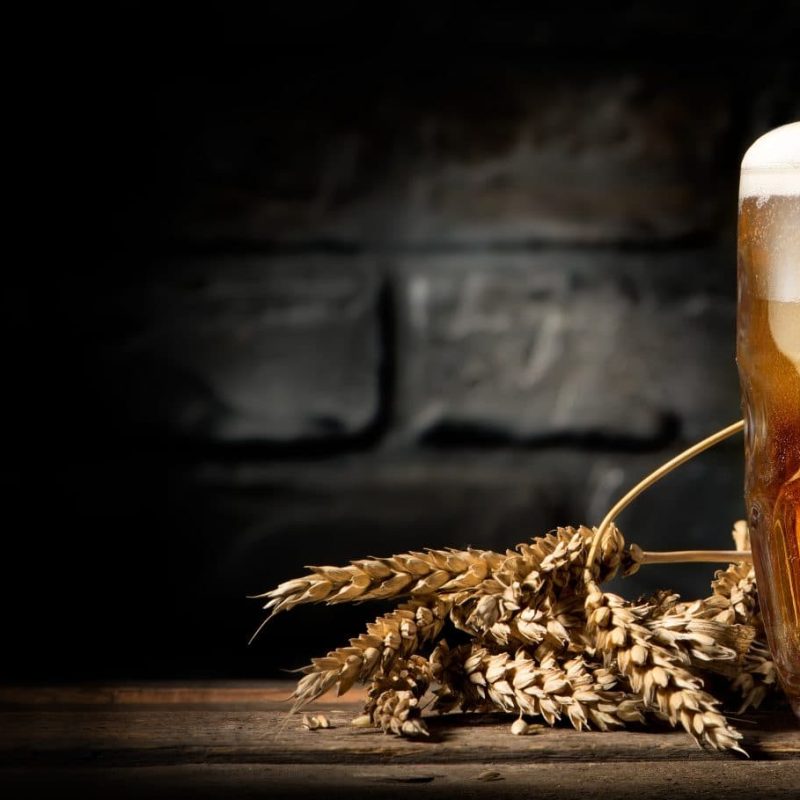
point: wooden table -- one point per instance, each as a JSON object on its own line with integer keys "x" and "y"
{"x": 234, "y": 740}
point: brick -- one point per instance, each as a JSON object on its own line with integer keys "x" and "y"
{"x": 477, "y": 154}
{"x": 249, "y": 348}
{"x": 610, "y": 345}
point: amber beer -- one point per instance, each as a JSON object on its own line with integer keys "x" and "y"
{"x": 768, "y": 355}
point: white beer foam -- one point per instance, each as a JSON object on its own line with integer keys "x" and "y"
{"x": 771, "y": 166}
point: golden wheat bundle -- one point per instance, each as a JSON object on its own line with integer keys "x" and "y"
{"x": 544, "y": 639}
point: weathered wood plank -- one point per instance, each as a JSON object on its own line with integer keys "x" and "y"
{"x": 178, "y": 734}
{"x": 590, "y": 781}
{"x": 234, "y": 739}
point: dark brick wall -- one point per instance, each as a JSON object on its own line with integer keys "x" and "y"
{"x": 318, "y": 284}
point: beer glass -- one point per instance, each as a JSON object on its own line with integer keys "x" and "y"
{"x": 768, "y": 356}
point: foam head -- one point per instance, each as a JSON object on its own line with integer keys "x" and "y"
{"x": 771, "y": 177}
{"x": 771, "y": 166}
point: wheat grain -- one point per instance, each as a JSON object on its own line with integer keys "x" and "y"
{"x": 317, "y": 721}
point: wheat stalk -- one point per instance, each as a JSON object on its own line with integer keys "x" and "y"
{"x": 734, "y": 600}
{"x": 710, "y": 643}
{"x": 538, "y": 621}
{"x": 531, "y": 595}
{"x": 519, "y": 683}
{"x": 551, "y": 624}
{"x": 447, "y": 672}
{"x": 446, "y": 572}
{"x": 396, "y": 635}
{"x": 757, "y": 677}
{"x": 414, "y": 573}
{"x": 736, "y": 585}
{"x": 735, "y": 594}
{"x": 535, "y": 617}
{"x": 393, "y": 698}
{"x": 728, "y": 619}
{"x": 659, "y": 675}
{"x": 558, "y": 559}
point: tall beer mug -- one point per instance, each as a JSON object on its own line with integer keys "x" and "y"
{"x": 768, "y": 355}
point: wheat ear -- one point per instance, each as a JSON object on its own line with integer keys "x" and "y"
{"x": 757, "y": 678}
{"x": 396, "y": 635}
{"x": 532, "y": 594}
{"x": 557, "y": 559}
{"x": 415, "y": 573}
{"x": 659, "y": 675}
{"x": 710, "y": 643}
{"x": 393, "y": 698}
{"x": 575, "y": 690}
{"x": 735, "y": 592}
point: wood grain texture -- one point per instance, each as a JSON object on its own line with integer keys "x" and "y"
{"x": 596, "y": 781}
{"x": 203, "y": 741}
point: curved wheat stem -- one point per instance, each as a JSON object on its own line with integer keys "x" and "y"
{"x": 656, "y": 476}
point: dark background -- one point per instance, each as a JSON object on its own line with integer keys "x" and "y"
{"x": 301, "y": 284}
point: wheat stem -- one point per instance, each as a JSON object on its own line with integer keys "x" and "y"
{"x": 656, "y": 476}
{"x": 687, "y": 556}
